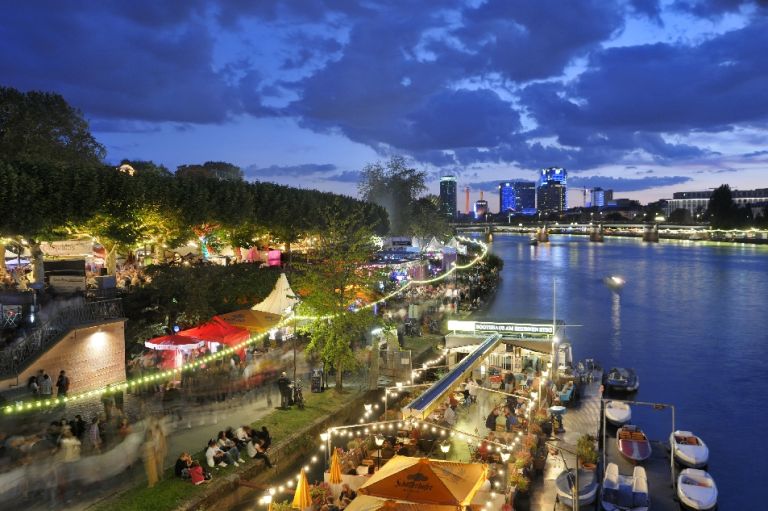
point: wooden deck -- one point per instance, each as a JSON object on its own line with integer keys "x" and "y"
{"x": 584, "y": 417}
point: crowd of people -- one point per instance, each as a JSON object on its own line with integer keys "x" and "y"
{"x": 227, "y": 449}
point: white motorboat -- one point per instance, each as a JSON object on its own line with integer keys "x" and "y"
{"x": 625, "y": 493}
{"x": 587, "y": 487}
{"x": 696, "y": 490}
{"x": 688, "y": 449}
{"x": 617, "y": 413}
{"x": 614, "y": 283}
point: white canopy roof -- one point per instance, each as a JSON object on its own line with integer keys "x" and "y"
{"x": 279, "y": 300}
{"x": 433, "y": 246}
{"x": 454, "y": 243}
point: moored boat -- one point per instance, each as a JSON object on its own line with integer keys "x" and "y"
{"x": 621, "y": 379}
{"x": 696, "y": 490}
{"x": 533, "y": 241}
{"x": 633, "y": 444}
{"x": 617, "y": 413}
{"x": 688, "y": 449}
{"x": 587, "y": 486}
{"x": 625, "y": 493}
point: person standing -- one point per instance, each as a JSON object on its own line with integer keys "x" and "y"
{"x": 46, "y": 387}
{"x": 62, "y": 385}
{"x": 284, "y": 384}
{"x": 490, "y": 421}
{"x": 94, "y": 435}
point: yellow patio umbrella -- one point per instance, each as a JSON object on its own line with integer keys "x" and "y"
{"x": 302, "y": 499}
{"x": 335, "y": 470}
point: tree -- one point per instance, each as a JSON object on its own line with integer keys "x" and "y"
{"x": 721, "y": 210}
{"x": 41, "y": 127}
{"x": 331, "y": 284}
{"x": 395, "y": 187}
{"x": 426, "y": 218}
{"x": 212, "y": 169}
{"x": 680, "y": 216}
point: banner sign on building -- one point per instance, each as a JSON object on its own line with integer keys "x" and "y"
{"x": 70, "y": 248}
{"x": 509, "y": 328}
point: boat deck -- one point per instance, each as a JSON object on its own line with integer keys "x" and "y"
{"x": 656, "y": 470}
{"x": 584, "y": 417}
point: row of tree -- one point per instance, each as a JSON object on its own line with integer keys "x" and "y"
{"x": 44, "y": 202}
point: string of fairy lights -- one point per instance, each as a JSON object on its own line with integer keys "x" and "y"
{"x": 365, "y": 426}
{"x": 202, "y": 362}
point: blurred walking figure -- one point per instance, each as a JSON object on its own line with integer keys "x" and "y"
{"x": 66, "y": 455}
{"x": 94, "y": 435}
{"x": 149, "y": 453}
{"x": 160, "y": 446}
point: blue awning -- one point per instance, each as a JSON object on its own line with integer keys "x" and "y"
{"x": 423, "y": 405}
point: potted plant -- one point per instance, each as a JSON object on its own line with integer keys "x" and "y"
{"x": 519, "y": 481}
{"x": 585, "y": 449}
{"x": 320, "y": 493}
{"x": 523, "y": 459}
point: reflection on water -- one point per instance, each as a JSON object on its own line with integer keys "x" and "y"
{"x": 616, "y": 325}
{"x": 691, "y": 321}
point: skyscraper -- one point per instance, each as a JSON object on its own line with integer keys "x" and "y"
{"x": 552, "y": 193}
{"x": 448, "y": 196}
{"x": 507, "y": 197}
{"x": 525, "y": 196}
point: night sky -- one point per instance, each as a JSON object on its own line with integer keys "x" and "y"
{"x": 640, "y": 96}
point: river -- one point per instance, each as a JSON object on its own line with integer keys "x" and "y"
{"x": 692, "y": 320}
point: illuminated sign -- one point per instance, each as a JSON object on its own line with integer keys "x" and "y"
{"x": 512, "y": 328}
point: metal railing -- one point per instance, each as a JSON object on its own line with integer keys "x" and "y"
{"x": 15, "y": 358}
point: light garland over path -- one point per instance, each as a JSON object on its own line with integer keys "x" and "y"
{"x": 43, "y": 404}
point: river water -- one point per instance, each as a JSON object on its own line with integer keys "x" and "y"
{"x": 692, "y": 320}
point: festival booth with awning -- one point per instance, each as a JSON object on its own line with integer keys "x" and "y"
{"x": 212, "y": 334}
{"x": 256, "y": 322}
{"x": 433, "y": 246}
{"x": 427, "y": 481}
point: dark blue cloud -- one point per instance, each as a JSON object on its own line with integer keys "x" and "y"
{"x": 448, "y": 85}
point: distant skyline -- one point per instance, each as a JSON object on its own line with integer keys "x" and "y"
{"x": 644, "y": 97}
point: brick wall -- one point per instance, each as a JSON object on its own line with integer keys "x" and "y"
{"x": 92, "y": 357}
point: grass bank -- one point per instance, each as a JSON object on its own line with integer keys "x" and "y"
{"x": 171, "y": 493}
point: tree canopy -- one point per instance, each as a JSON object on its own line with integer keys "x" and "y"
{"x": 58, "y": 201}
{"x": 42, "y": 128}
{"x": 395, "y": 187}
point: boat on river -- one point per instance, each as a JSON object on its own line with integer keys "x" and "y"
{"x": 696, "y": 490}
{"x": 633, "y": 444}
{"x": 587, "y": 486}
{"x": 614, "y": 282}
{"x": 625, "y": 493}
{"x": 617, "y": 413}
{"x": 688, "y": 449}
{"x": 533, "y": 241}
{"x": 621, "y": 379}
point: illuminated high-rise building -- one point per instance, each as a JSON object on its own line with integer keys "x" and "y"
{"x": 448, "y": 196}
{"x": 551, "y": 196}
{"x": 525, "y": 197}
{"x": 507, "y": 201}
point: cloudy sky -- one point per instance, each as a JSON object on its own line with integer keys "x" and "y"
{"x": 641, "y": 96}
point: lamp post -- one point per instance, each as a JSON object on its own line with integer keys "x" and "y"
{"x": 445, "y": 446}
{"x": 325, "y": 437}
{"x": 379, "y": 440}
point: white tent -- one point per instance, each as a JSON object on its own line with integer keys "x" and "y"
{"x": 279, "y": 300}
{"x": 433, "y": 246}
{"x": 416, "y": 242}
{"x": 454, "y": 243}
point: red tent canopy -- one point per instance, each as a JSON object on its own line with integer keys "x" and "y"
{"x": 218, "y": 330}
{"x": 174, "y": 342}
